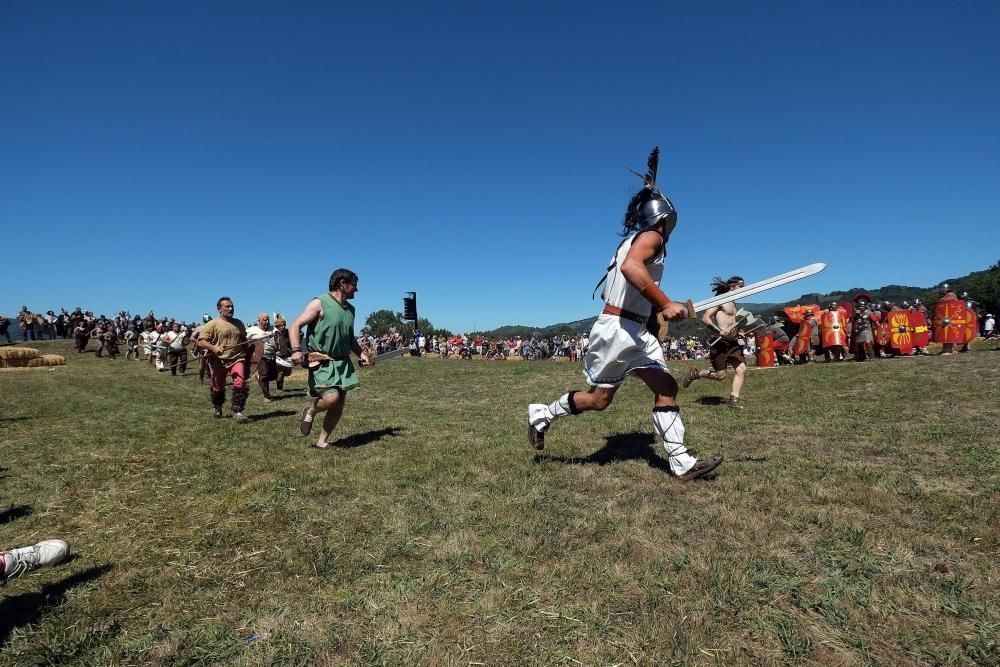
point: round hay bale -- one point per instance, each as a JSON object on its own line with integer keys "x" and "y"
{"x": 18, "y": 353}
{"x": 53, "y": 359}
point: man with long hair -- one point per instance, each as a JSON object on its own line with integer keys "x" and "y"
{"x": 726, "y": 350}
{"x": 620, "y": 342}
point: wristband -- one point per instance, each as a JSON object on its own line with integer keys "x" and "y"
{"x": 297, "y": 348}
{"x": 655, "y": 295}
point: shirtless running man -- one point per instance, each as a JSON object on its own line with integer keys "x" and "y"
{"x": 727, "y": 350}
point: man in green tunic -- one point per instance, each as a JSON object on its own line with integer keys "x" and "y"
{"x": 330, "y": 321}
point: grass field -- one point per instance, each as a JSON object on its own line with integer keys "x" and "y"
{"x": 855, "y": 521}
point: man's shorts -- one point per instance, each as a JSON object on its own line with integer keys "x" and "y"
{"x": 727, "y": 351}
{"x": 618, "y": 346}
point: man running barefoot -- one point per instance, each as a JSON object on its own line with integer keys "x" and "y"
{"x": 727, "y": 350}
{"x": 330, "y": 340}
{"x": 619, "y": 340}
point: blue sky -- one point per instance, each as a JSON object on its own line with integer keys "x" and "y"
{"x": 160, "y": 154}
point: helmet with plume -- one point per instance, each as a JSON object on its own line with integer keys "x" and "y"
{"x": 649, "y": 207}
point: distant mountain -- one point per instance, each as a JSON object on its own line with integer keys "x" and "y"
{"x": 982, "y": 286}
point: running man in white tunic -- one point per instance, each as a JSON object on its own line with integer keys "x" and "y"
{"x": 620, "y": 342}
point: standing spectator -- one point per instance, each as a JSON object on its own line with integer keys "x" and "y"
{"x": 989, "y": 324}
{"x": 5, "y": 328}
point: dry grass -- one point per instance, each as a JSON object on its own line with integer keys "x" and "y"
{"x": 854, "y": 523}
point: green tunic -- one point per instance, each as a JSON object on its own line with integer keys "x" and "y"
{"x": 332, "y": 335}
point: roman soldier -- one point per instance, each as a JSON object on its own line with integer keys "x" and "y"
{"x": 971, "y": 321}
{"x": 918, "y": 326}
{"x": 804, "y": 348}
{"x": 833, "y": 325}
{"x": 862, "y": 333}
{"x": 949, "y": 320}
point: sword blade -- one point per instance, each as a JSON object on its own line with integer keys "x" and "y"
{"x": 391, "y": 354}
{"x": 761, "y": 286}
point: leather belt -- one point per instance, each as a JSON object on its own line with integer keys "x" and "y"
{"x": 627, "y": 314}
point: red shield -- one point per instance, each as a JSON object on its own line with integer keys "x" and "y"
{"x": 765, "y": 351}
{"x": 882, "y": 332}
{"x": 971, "y": 326}
{"x": 949, "y": 321}
{"x": 803, "y": 339}
{"x": 918, "y": 329}
{"x": 796, "y": 314}
{"x": 832, "y": 325}
{"x": 900, "y": 339}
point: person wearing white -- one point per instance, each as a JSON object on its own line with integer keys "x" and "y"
{"x": 619, "y": 340}
{"x": 989, "y": 325}
{"x": 267, "y": 368}
{"x": 176, "y": 341}
{"x": 149, "y": 339}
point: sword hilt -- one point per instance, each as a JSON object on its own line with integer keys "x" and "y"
{"x": 690, "y": 307}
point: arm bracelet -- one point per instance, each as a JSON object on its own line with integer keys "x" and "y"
{"x": 655, "y": 295}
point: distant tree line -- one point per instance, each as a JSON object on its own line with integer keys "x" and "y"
{"x": 381, "y": 322}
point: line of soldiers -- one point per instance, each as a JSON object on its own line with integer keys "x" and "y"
{"x": 867, "y": 329}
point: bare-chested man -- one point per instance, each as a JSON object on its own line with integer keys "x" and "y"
{"x": 727, "y": 350}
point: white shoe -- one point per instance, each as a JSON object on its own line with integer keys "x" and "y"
{"x": 19, "y": 561}
{"x": 239, "y": 417}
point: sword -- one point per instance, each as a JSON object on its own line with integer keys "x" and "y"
{"x": 659, "y": 326}
{"x": 389, "y": 355}
{"x": 312, "y": 360}
{"x": 755, "y": 288}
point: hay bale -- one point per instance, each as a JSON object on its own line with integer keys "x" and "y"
{"x": 8, "y": 353}
{"x": 17, "y": 363}
{"x": 46, "y": 360}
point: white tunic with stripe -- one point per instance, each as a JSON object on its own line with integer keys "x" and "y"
{"x": 619, "y": 345}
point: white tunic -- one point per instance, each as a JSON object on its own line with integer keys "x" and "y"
{"x": 617, "y": 345}
{"x": 618, "y": 292}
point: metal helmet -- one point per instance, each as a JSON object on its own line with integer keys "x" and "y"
{"x": 656, "y": 210}
{"x": 650, "y": 207}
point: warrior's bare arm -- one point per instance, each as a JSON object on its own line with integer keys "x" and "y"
{"x": 312, "y": 312}
{"x": 645, "y": 247}
{"x": 709, "y": 319}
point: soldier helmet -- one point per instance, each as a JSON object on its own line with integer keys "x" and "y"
{"x": 650, "y": 207}
{"x": 945, "y": 287}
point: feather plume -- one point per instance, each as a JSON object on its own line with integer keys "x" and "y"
{"x": 651, "y": 166}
